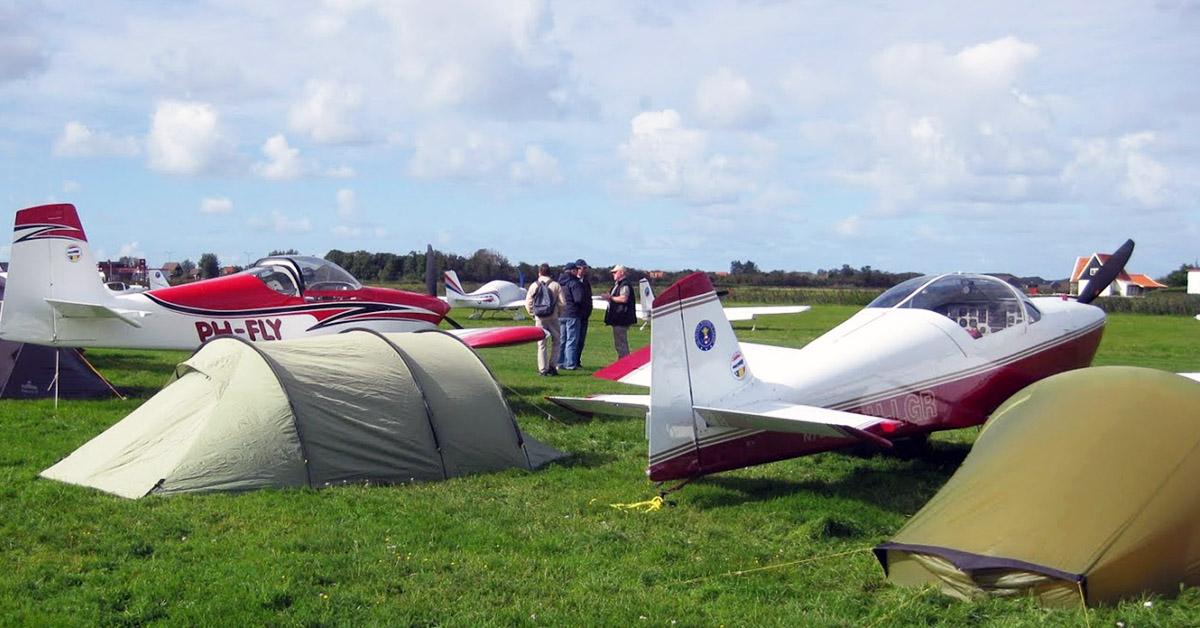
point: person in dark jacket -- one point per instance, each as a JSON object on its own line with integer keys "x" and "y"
{"x": 585, "y": 314}
{"x": 568, "y": 318}
{"x": 620, "y": 314}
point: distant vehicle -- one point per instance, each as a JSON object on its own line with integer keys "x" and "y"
{"x": 933, "y": 353}
{"x": 495, "y": 295}
{"x": 54, "y": 297}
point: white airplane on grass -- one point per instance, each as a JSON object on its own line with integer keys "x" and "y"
{"x": 154, "y": 277}
{"x": 54, "y": 297}
{"x": 645, "y": 304}
{"x": 492, "y": 296}
{"x": 933, "y": 353}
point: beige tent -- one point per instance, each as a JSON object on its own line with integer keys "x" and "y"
{"x": 353, "y": 407}
{"x": 1081, "y": 485}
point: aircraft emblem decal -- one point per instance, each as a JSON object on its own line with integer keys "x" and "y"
{"x": 737, "y": 364}
{"x": 706, "y": 335}
{"x": 74, "y": 253}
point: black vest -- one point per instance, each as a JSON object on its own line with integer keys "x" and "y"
{"x": 622, "y": 314}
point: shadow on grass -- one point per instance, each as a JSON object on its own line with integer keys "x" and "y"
{"x": 902, "y": 486}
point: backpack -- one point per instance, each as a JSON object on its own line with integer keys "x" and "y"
{"x": 543, "y": 300}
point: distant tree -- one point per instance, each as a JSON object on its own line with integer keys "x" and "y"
{"x": 209, "y": 266}
{"x": 287, "y": 252}
{"x": 185, "y": 268}
{"x": 129, "y": 261}
{"x": 1177, "y": 278}
{"x": 743, "y": 268}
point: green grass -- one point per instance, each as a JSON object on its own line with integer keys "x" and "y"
{"x": 784, "y": 544}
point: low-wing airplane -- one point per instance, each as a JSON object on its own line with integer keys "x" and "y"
{"x": 645, "y": 304}
{"x": 933, "y": 353}
{"x": 494, "y": 295}
{"x": 154, "y": 277}
{"x": 54, "y": 297}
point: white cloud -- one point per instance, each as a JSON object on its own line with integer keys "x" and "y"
{"x": 340, "y": 172}
{"x": 326, "y": 113}
{"x": 283, "y": 161}
{"x": 280, "y": 223}
{"x": 22, "y": 48}
{"x": 131, "y": 249}
{"x": 186, "y": 138}
{"x": 665, "y": 158}
{"x": 537, "y": 167}
{"x": 352, "y": 223}
{"x": 77, "y": 140}
{"x": 1123, "y": 167}
{"x": 447, "y": 154}
{"x": 216, "y": 205}
{"x": 71, "y": 187}
{"x": 725, "y": 100}
{"x": 851, "y": 226}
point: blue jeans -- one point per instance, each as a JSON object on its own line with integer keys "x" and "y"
{"x": 568, "y": 356}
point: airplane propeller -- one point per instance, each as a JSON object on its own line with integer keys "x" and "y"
{"x": 430, "y": 272}
{"x": 1107, "y": 272}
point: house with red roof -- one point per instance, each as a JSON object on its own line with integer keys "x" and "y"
{"x": 1125, "y": 285}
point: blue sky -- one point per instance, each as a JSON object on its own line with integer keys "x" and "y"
{"x": 927, "y": 136}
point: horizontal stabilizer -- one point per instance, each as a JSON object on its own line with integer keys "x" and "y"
{"x": 74, "y": 309}
{"x": 615, "y": 405}
{"x": 739, "y": 313}
{"x": 798, "y": 419}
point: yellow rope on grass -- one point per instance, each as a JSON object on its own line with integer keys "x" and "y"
{"x": 1083, "y": 602}
{"x": 650, "y": 505}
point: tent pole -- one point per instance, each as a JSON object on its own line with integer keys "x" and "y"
{"x": 56, "y": 374}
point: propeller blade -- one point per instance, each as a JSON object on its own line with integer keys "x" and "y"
{"x": 430, "y": 272}
{"x": 1106, "y": 274}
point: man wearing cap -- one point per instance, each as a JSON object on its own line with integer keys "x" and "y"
{"x": 572, "y": 294}
{"x": 620, "y": 314}
{"x": 585, "y": 312}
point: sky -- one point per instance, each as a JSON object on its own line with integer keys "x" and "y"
{"x": 921, "y": 135}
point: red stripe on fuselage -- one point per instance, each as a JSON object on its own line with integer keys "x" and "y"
{"x": 955, "y": 404}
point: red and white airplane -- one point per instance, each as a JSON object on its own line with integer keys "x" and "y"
{"x": 54, "y": 297}
{"x": 494, "y": 295}
{"x": 933, "y": 353}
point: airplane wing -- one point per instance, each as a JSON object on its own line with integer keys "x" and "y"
{"x": 491, "y": 337}
{"x": 76, "y": 309}
{"x": 602, "y": 305}
{"x": 775, "y": 416}
{"x": 619, "y": 405}
{"x": 740, "y": 313}
{"x": 514, "y": 305}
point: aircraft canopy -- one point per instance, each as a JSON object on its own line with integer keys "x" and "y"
{"x": 312, "y": 273}
{"x": 964, "y": 298}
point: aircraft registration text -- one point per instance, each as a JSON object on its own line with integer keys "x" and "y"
{"x": 253, "y": 329}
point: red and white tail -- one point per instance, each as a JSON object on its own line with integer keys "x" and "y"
{"x": 697, "y": 361}
{"x": 51, "y": 268}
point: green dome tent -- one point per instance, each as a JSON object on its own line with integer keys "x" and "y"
{"x": 1084, "y": 484}
{"x": 352, "y": 407}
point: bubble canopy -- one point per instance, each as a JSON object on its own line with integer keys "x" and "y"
{"x": 977, "y": 302}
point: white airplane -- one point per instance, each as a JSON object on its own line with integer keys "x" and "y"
{"x": 492, "y": 296}
{"x": 54, "y": 297}
{"x": 154, "y": 277}
{"x": 933, "y": 353}
{"x": 645, "y": 304}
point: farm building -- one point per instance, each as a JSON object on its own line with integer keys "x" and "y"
{"x": 1127, "y": 284}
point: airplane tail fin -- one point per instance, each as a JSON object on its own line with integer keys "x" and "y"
{"x": 645, "y": 300}
{"x": 51, "y": 266}
{"x": 697, "y": 361}
{"x": 454, "y": 289}
{"x": 156, "y": 279}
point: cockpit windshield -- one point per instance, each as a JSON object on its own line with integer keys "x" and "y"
{"x": 276, "y": 279}
{"x": 322, "y": 274}
{"x": 980, "y": 304}
{"x": 316, "y": 273}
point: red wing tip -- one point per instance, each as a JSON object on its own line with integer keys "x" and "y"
{"x": 625, "y": 365}
{"x": 504, "y": 336}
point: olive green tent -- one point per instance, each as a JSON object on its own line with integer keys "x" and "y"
{"x": 1081, "y": 486}
{"x": 352, "y": 407}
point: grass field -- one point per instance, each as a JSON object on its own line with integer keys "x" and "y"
{"x": 785, "y": 544}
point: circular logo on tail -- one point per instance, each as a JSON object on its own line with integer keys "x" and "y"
{"x": 706, "y": 335}
{"x": 74, "y": 253}
{"x": 737, "y": 364}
